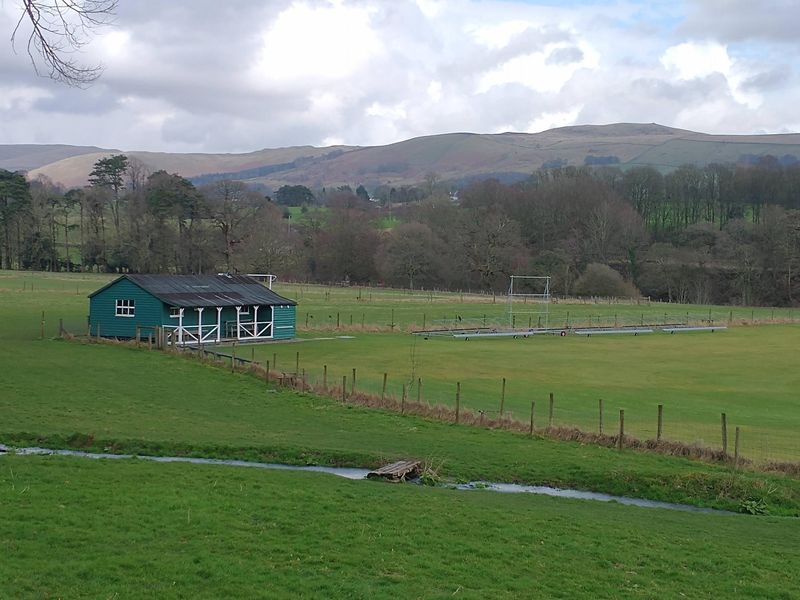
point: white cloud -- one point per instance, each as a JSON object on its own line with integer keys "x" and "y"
{"x": 313, "y": 45}
{"x": 376, "y": 109}
{"x": 20, "y": 98}
{"x": 243, "y": 75}
{"x": 533, "y": 70}
{"x": 555, "y": 119}
{"x": 691, "y": 60}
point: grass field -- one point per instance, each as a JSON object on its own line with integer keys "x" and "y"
{"x": 76, "y": 528}
{"x": 148, "y": 402}
{"x": 747, "y": 372}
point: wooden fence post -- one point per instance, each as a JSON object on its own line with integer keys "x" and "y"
{"x": 458, "y": 400}
{"x": 383, "y": 391}
{"x": 353, "y": 383}
{"x": 621, "y": 428}
{"x": 600, "y": 406}
{"x": 403, "y": 401}
{"x": 503, "y": 397}
{"x": 419, "y": 390}
{"x": 736, "y": 449}
{"x": 724, "y": 422}
{"x": 550, "y": 419}
{"x": 660, "y": 429}
{"x": 325, "y": 376}
{"x": 533, "y": 408}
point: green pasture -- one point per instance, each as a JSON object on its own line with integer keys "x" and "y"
{"x": 364, "y": 308}
{"x": 79, "y": 528}
{"x": 73, "y": 528}
{"x": 148, "y": 402}
{"x": 749, "y": 373}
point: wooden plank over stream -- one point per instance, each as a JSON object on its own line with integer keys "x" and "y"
{"x": 397, "y": 472}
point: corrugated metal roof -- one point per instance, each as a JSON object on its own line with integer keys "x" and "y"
{"x": 189, "y": 291}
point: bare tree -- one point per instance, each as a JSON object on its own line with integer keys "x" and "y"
{"x": 58, "y": 29}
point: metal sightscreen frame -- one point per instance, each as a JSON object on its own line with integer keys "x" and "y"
{"x": 542, "y": 299}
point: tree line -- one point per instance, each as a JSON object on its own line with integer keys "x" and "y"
{"x": 722, "y": 233}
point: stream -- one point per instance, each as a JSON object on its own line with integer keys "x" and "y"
{"x": 357, "y": 474}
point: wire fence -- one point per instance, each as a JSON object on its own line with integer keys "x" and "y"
{"x": 600, "y": 421}
{"x": 549, "y": 413}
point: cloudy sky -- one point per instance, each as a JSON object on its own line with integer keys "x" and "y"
{"x": 239, "y": 75}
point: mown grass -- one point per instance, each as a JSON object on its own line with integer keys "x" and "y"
{"x": 749, "y": 373}
{"x": 129, "y": 529}
{"x": 63, "y": 295}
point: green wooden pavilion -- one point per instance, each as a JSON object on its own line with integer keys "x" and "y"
{"x": 191, "y": 309}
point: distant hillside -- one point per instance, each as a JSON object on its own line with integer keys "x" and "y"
{"x": 75, "y": 170}
{"x": 25, "y": 157}
{"x": 456, "y": 157}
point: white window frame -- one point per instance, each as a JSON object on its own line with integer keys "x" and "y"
{"x": 125, "y": 307}
{"x": 245, "y": 310}
{"x": 174, "y": 312}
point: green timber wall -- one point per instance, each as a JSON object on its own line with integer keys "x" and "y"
{"x": 284, "y": 322}
{"x": 148, "y": 311}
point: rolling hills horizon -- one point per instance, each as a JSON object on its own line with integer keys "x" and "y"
{"x": 454, "y": 157}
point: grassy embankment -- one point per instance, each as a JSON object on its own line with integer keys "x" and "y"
{"x": 77, "y": 528}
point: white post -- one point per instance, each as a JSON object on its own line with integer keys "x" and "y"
{"x": 238, "y": 322}
{"x": 199, "y": 325}
{"x": 255, "y": 321}
{"x": 219, "y": 323}
{"x": 180, "y": 326}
